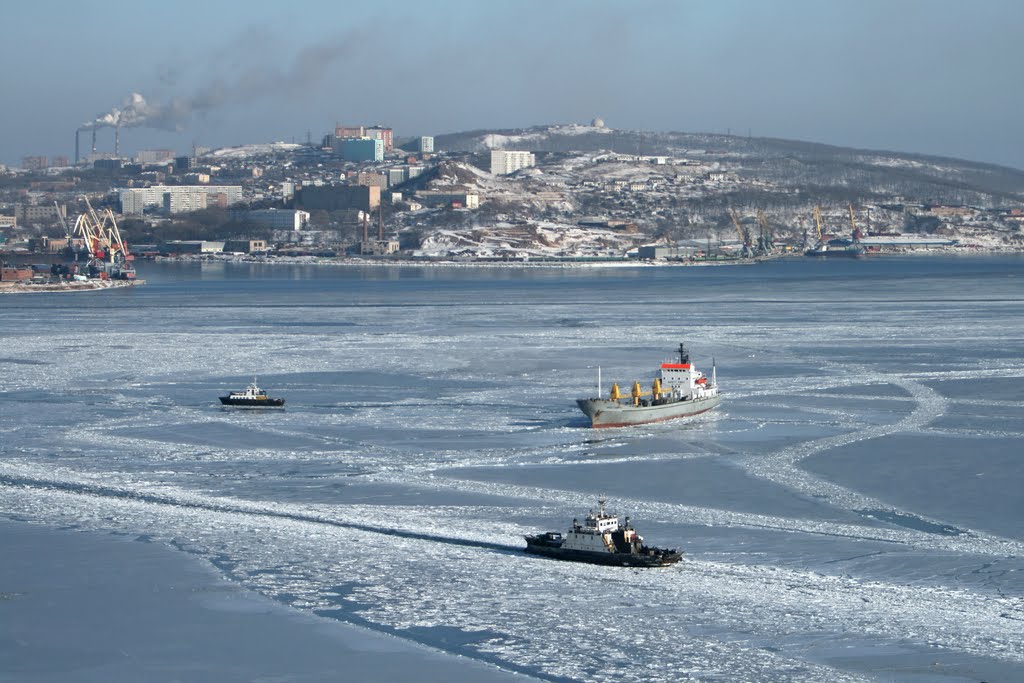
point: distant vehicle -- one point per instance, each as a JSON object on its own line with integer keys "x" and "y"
{"x": 601, "y": 540}
{"x": 252, "y": 397}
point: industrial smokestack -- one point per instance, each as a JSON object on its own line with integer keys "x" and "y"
{"x": 94, "y": 141}
{"x": 77, "y": 131}
{"x": 117, "y": 141}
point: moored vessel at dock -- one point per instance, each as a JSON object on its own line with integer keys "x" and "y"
{"x": 680, "y": 390}
{"x": 601, "y": 539}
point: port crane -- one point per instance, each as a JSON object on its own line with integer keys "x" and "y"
{"x": 766, "y": 240}
{"x": 817, "y": 224}
{"x": 107, "y": 251}
{"x": 856, "y": 233}
{"x": 748, "y": 247}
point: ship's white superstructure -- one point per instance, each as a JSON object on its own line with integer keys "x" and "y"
{"x": 601, "y": 539}
{"x": 595, "y": 534}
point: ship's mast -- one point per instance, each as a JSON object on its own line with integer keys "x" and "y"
{"x": 684, "y": 355}
{"x": 599, "y": 381}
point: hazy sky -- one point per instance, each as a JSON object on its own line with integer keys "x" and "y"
{"x": 931, "y": 76}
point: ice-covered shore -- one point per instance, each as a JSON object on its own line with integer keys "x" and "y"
{"x": 98, "y": 607}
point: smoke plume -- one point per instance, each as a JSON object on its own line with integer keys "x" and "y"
{"x": 251, "y": 84}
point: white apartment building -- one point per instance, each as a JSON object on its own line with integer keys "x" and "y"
{"x": 137, "y": 199}
{"x": 426, "y": 144}
{"x": 277, "y": 219}
{"x": 184, "y": 202}
{"x": 504, "y": 161}
{"x": 154, "y": 156}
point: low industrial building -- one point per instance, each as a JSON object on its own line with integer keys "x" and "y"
{"x": 245, "y": 246}
{"x": 667, "y": 252}
{"x": 883, "y": 242}
{"x": 16, "y": 274}
{"x": 467, "y": 200}
{"x": 192, "y": 247}
{"x": 378, "y": 247}
{"x": 275, "y": 219}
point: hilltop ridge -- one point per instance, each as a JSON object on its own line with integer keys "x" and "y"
{"x": 591, "y": 183}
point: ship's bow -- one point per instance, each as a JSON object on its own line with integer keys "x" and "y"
{"x": 589, "y": 407}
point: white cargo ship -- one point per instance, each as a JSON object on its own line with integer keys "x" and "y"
{"x": 680, "y": 390}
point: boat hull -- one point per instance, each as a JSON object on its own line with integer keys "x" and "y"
{"x": 657, "y": 558}
{"x": 608, "y": 413}
{"x": 841, "y": 252}
{"x": 252, "y": 403}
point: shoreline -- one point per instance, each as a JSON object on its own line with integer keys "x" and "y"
{"x": 90, "y": 286}
{"x": 568, "y": 262}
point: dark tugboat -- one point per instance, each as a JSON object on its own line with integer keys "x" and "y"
{"x": 252, "y": 397}
{"x": 601, "y": 540}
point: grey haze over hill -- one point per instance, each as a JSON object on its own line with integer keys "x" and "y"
{"x": 917, "y": 75}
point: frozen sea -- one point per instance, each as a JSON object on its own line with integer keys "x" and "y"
{"x": 854, "y": 511}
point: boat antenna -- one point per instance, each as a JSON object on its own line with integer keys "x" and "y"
{"x": 599, "y": 381}
{"x": 714, "y": 373}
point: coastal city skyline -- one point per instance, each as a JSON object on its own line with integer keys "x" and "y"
{"x": 917, "y": 77}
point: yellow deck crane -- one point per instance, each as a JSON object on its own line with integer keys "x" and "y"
{"x": 637, "y": 392}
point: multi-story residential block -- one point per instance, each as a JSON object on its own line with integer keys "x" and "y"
{"x": 337, "y": 197}
{"x": 375, "y": 179}
{"x": 34, "y": 163}
{"x": 184, "y": 202}
{"x": 41, "y": 213}
{"x": 134, "y": 201}
{"x": 385, "y": 135}
{"x": 504, "y": 161}
{"x": 362, "y": 149}
{"x": 350, "y": 131}
{"x": 154, "y": 156}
